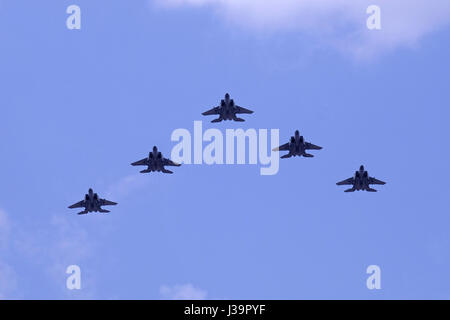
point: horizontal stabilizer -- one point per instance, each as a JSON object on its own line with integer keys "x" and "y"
{"x": 286, "y": 156}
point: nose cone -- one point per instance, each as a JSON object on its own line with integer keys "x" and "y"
{"x": 90, "y": 190}
{"x": 297, "y": 133}
{"x": 361, "y": 168}
{"x": 227, "y": 96}
{"x": 155, "y": 149}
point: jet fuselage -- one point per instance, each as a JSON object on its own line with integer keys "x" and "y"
{"x": 92, "y": 204}
{"x": 297, "y": 145}
{"x": 155, "y": 161}
{"x": 227, "y": 111}
{"x": 361, "y": 180}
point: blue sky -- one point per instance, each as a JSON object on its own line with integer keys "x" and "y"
{"x": 78, "y": 106}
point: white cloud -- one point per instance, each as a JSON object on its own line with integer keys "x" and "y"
{"x": 126, "y": 186}
{"x": 61, "y": 241}
{"x": 8, "y": 282}
{"x": 52, "y": 245}
{"x": 56, "y": 244}
{"x": 340, "y": 23}
{"x": 5, "y": 227}
{"x": 182, "y": 292}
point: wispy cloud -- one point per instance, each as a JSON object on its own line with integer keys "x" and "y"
{"x": 182, "y": 292}
{"x": 8, "y": 278}
{"x": 8, "y": 281}
{"x": 339, "y": 23}
{"x": 5, "y": 228}
{"x": 127, "y": 185}
{"x": 54, "y": 245}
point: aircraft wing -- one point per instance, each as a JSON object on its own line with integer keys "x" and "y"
{"x": 168, "y": 162}
{"x": 310, "y": 146}
{"x": 284, "y": 147}
{"x": 242, "y": 110}
{"x": 78, "y": 205}
{"x": 104, "y": 202}
{"x": 375, "y": 181}
{"x": 346, "y": 181}
{"x": 215, "y": 110}
{"x": 142, "y": 162}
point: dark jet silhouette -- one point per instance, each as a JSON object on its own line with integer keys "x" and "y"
{"x": 297, "y": 146}
{"x": 92, "y": 203}
{"x": 227, "y": 110}
{"x": 155, "y": 162}
{"x": 361, "y": 181}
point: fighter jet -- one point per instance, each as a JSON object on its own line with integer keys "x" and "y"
{"x": 227, "y": 110}
{"x": 92, "y": 203}
{"x": 155, "y": 162}
{"x": 297, "y": 146}
{"x": 361, "y": 181}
